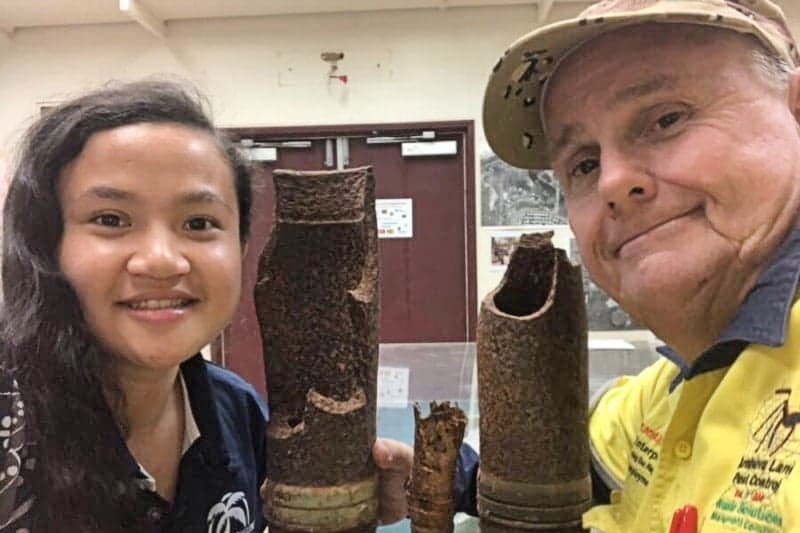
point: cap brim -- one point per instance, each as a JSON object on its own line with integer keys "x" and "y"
{"x": 513, "y": 100}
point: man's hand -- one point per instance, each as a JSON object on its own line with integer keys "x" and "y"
{"x": 394, "y": 460}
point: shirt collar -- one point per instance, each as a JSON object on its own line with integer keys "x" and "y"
{"x": 761, "y": 319}
{"x": 204, "y": 407}
{"x": 190, "y": 430}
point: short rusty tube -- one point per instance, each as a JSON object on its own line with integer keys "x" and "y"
{"x": 316, "y": 301}
{"x": 431, "y": 489}
{"x": 533, "y": 394}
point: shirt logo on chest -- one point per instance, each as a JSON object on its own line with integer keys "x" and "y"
{"x": 230, "y": 515}
{"x": 645, "y": 454}
{"x": 778, "y": 425}
{"x": 768, "y": 460}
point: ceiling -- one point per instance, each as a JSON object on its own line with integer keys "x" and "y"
{"x": 155, "y": 15}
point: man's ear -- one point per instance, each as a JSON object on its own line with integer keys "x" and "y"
{"x": 794, "y": 94}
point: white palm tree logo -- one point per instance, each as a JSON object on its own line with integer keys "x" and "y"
{"x": 232, "y": 508}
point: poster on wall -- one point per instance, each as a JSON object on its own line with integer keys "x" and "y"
{"x": 395, "y": 218}
{"x": 513, "y": 196}
{"x": 602, "y": 311}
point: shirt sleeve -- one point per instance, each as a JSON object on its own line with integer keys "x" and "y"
{"x": 15, "y": 499}
{"x": 259, "y": 414}
{"x": 615, "y": 418}
{"x": 467, "y": 480}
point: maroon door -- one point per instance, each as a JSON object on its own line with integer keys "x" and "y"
{"x": 424, "y": 282}
{"x": 427, "y": 281}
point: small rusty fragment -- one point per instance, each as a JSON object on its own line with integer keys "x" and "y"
{"x": 317, "y": 305}
{"x": 533, "y": 391}
{"x": 437, "y": 440}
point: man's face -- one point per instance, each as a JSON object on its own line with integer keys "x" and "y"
{"x": 678, "y": 161}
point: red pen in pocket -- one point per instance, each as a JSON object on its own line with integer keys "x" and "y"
{"x": 684, "y": 520}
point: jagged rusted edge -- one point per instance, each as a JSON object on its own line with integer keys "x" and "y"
{"x": 529, "y": 240}
{"x": 427, "y": 509}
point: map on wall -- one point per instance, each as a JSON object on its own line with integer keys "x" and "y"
{"x": 513, "y": 196}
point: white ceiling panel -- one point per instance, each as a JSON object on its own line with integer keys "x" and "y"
{"x": 15, "y": 14}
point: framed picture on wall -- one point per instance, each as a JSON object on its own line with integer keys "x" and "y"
{"x": 513, "y": 196}
{"x": 503, "y": 245}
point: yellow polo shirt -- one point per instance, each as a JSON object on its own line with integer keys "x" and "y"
{"x": 726, "y": 441}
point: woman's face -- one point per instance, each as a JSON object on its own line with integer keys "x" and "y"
{"x": 151, "y": 241}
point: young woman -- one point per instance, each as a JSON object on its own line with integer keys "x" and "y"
{"x": 123, "y": 234}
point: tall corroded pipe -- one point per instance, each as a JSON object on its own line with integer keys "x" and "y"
{"x": 317, "y": 305}
{"x": 533, "y": 394}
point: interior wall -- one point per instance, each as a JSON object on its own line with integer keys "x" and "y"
{"x": 267, "y": 71}
{"x": 402, "y": 66}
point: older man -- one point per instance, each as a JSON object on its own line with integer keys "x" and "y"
{"x": 673, "y": 128}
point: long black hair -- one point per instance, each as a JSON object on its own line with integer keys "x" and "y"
{"x": 46, "y": 344}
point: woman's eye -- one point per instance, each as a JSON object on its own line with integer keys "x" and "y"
{"x": 199, "y": 224}
{"x": 108, "y": 219}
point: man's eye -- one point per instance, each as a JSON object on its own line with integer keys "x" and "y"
{"x": 584, "y": 168}
{"x": 199, "y": 224}
{"x": 108, "y": 219}
{"x": 665, "y": 121}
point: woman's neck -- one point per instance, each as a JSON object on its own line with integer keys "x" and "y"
{"x": 147, "y": 397}
{"x": 154, "y": 422}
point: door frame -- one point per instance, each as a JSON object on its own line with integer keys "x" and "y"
{"x": 464, "y": 127}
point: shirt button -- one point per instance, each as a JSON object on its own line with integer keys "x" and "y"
{"x": 154, "y": 514}
{"x": 683, "y": 450}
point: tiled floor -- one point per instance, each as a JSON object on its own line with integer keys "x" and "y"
{"x": 446, "y": 371}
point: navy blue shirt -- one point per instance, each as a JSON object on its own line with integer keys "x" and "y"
{"x": 762, "y": 319}
{"x": 219, "y": 474}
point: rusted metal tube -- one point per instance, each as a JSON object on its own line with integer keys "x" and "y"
{"x": 437, "y": 439}
{"x": 317, "y": 305}
{"x": 533, "y": 393}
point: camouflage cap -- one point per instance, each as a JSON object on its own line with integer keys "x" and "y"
{"x": 512, "y": 106}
